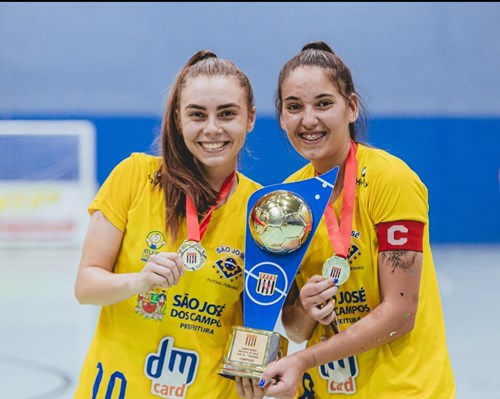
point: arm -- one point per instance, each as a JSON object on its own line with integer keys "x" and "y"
{"x": 302, "y": 311}
{"x": 97, "y": 284}
{"x": 399, "y": 274}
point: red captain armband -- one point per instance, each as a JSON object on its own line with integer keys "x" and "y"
{"x": 401, "y": 235}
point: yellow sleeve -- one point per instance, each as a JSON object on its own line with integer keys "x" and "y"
{"x": 116, "y": 195}
{"x": 398, "y": 194}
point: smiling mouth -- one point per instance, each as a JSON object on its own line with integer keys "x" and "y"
{"x": 311, "y": 137}
{"x": 214, "y": 146}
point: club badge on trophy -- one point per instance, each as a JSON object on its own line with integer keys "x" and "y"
{"x": 281, "y": 220}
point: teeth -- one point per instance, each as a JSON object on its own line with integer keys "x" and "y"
{"x": 312, "y": 137}
{"x": 213, "y": 146}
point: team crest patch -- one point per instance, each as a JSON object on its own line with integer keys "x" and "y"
{"x": 151, "y": 305}
{"x": 230, "y": 264}
{"x": 229, "y": 267}
{"x": 266, "y": 283}
{"x": 155, "y": 240}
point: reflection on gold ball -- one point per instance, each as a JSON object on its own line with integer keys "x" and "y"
{"x": 280, "y": 222}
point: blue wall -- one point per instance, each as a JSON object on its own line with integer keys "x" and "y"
{"x": 458, "y": 159}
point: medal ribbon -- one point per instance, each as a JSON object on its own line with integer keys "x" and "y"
{"x": 196, "y": 230}
{"x": 341, "y": 237}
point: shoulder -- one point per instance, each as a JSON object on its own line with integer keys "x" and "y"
{"x": 378, "y": 164}
{"x": 247, "y": 183}
{"x": 389, "y": 188}
{"x": 306, "y": 172}
{"x": 377, "y": 156}
{"x": 138, "y": 163}
{"x": 141, "y": 159}
{"x": 137, "y": 169}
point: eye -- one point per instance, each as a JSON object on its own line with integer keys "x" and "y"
{"x": 197, "y": 115}
{"x": 325, "y": 103}
{"x": 228, "y": 114}
{"x": 293, "y": 107}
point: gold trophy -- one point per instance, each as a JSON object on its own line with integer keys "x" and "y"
{"x": 279, "y": 223}
{"x": 281, "y": 219}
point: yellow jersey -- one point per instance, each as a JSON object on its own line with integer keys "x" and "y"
{"x": 417, "y": 364}
{"x": 166, "y": 343}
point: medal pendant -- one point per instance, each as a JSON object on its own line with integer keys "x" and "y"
{"x": 337, "y": 267}
{"x": 193, "y": 255}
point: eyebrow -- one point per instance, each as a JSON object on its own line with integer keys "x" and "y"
{"x": 294, "y": 98}
{"x": 223, "y": 106}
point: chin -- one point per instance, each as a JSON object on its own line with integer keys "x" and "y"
{"x": 311, "y": 155}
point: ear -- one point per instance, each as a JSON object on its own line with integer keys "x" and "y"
{"x": 252, "y": 115}
{"x": 282, "y": 122}
{"x": 353, "y": 107}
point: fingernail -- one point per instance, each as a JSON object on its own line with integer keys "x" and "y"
{"x": 262, "y": 382}
{"x": 335, "y": 280}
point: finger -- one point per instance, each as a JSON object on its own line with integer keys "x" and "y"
{"x": 327, "y": 296}
{"x": 316, "y": 288}
{"x": 327, "y": 320}
{"x": 239, "y": 387}
{"x": 248, "y": 388}
{"x": 326, "y": 284}
{"x": 268, "y": 375}
{"x": 176, "y": 260}
{"x": 315, "y": 279}
{"x": 167, "y": 265}
{"x": 168, "y": 273}
{"x": 325, "y": 309}
{"x": 173, "y": 274}
{"x": 161, "y": 276}
{"x": 258, "y": 392}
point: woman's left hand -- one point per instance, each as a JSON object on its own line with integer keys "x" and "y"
{"x": 248, "y": 388}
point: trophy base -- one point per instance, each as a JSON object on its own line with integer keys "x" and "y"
{"x": 249, "y": 351}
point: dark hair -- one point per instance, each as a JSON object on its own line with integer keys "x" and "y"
{"x": 319, "y": 54}
{"x": 180, "y": 173}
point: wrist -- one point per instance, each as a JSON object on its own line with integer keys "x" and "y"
{"x": 132, "y": 284}
{"x": 302, "y": 359}
{"x": 299, "y": 307}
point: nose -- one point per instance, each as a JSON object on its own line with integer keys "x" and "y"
{"x": 212, "y": 126}
{"x": 309, "y": 119}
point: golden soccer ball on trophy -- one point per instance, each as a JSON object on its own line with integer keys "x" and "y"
{"x": 280, "y": 222}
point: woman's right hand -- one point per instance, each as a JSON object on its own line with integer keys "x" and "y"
{"x": 316, "y": 297}
{"x": 163, "y": 270}
{"x": 97, "y": 283}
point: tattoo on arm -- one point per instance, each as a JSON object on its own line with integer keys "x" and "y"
{"x": 399, "y": 259}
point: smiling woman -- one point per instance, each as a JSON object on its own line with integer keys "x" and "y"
{"x": 214, "y": 124}
{"x": 151, "y": 255}
{"x": 365, "y": 331}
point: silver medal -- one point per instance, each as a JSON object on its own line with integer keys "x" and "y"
{"x": 337, "y": 267}
{"x": 193, "y": 255}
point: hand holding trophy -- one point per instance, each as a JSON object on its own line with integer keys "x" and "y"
{"x": 281, "y": 220}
